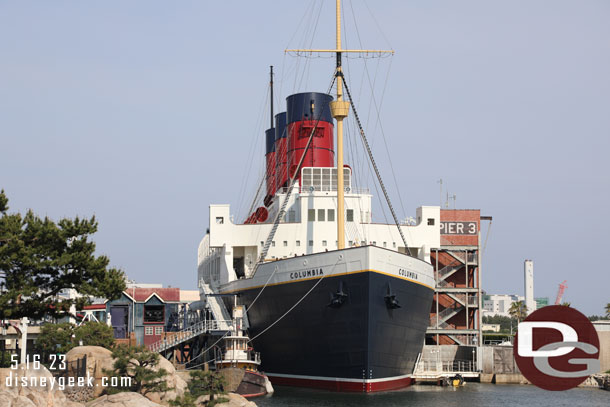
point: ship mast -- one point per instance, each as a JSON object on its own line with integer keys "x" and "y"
{"x": 339, "y": 110}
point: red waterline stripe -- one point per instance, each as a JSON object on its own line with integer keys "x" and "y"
{"x": 347, "y": 386}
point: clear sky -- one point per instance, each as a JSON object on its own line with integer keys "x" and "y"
{"x": 145, "y": 112}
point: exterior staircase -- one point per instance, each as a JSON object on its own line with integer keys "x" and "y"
{"x": 200, "y": 328}
{"x": 219, "y": 311}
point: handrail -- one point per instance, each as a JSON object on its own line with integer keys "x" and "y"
{"x": 188, "y": 333}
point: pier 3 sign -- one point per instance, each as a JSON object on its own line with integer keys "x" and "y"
{"x": 459, "y": 228}
{"x": 557, "y": 348}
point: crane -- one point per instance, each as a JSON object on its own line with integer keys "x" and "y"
{"x": 560, "y": 291}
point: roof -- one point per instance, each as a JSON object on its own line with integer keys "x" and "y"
{"x": 143, "y": 294}
{"x": 94, "y": 307}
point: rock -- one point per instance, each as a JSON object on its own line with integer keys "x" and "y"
{"x": 8, "y": 399}
{"x": 122, "y": 400}
{"x": 174, "y": 382}
{"x": 235, "y": 400}
{"x": 42, "y": 394}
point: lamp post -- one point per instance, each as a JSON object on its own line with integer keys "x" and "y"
{"x": 24, "y": 338}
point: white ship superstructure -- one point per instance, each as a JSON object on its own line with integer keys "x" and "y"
{"x": 230, "y": 251}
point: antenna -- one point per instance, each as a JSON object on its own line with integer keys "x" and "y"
{"x": 271, "y": 90}
{"x": 440, "y": 181}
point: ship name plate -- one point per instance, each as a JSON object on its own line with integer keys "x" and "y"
{"x": 407, "y": 273}
{"x": 306, "y": 273}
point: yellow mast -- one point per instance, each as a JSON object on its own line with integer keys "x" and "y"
{"x": 339, "y": 110}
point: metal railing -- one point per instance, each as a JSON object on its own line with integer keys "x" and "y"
{"x": 446, "y": 366}
{"x": 251, "y": 356}
{"x": 192, "y": 331}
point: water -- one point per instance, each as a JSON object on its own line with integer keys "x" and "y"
{"x": 471, "y": 395}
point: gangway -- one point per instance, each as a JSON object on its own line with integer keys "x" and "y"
{"x": 219, "y": 311}
{"x": 200, "y": 328}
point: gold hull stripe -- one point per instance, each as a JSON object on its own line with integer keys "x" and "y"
{"x": 332, "y": 275}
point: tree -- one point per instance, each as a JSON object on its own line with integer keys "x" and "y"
{"x": 200, "y": 384}
{"x": 518, "y": 310}
{"x": 566, "y": 304}
{"x": 141, "y": 365}
{"x": 55, "y": 338}
{"x": 95, "y": 334}
{"x": 608, "y": 310}
{"x": 60, "y": 338}
{"x": 39, "y": 258}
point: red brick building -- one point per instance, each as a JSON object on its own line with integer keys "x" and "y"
{"x": 455, "y": 317}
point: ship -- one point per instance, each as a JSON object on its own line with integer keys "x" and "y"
{"x": 332, "y": 300}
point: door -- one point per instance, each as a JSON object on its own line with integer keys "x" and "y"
{"x": 119, "y": 317}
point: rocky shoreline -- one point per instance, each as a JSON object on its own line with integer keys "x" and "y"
{"x": 47, "y": 394}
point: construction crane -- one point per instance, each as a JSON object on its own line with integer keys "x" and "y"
{"x": 560, "y": 291}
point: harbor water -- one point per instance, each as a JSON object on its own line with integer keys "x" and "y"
{"x": 470, "y": 395}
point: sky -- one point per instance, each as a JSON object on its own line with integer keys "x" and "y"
{"x": 143, "y": 113}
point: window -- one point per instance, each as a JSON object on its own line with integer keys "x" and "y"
{"x": 148, "y": 330}
{"x": 385, "y": 244}
{"x": 350, "y": 244}
{"x": 394, "y": 244}
{"x": 220, "y": 220}
{"x": 349, "y": 215}
{"x": 321, "y": 215}
{"x": 323, "y": 242}
{"x": 311, "y": 215}
{"x": 285, "y": 243}
{"x": 331, "y": 215}
{"x": 273, "y": 243}
{"x": 298, "y": 243}
{"x": 430, "y": 221}
{"x": 311, "y": 242}
{"x": 153, "y": 313}
{"x": 262, "y": 244}
{"x": 292, "y": 216}
{"x": 158, "y": 330}
{"x": 363, "y": 243}
{"x": 374, "y": 243}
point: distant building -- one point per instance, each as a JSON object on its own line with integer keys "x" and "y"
{"x": 499, "y": 304}
{"x": 528, "y": 279}
{"x": 143, "y": 313}
{"x": 490, "y": 327}
{"x": 542, "y": 302}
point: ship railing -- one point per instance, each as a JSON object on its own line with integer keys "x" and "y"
{"x": 326, "y": 189}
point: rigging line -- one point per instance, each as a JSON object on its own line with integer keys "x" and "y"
{"x": 256, "y": 197}
{"x": 377, "y": 24}
{"x": 262, "y": 289}
{"x": 282, "y": 210}
{"x": 303, "y": 42}
{"x": 370, "y": 153}
{"x": 486, "y": 237}
{"x": 241, "y": 197}
{"x": 370, "y": 172}
{"x": 378, "y": 108}
{"x": 307, "y": 67}
{"x": 297, "y": 303}
{"x": 387, "y": 149}
{"x": 211, "y": 346}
